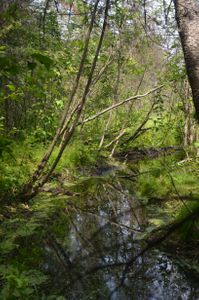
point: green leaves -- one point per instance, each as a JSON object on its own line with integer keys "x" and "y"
{"x": 42, "y": 59}
{"x": 2, "y": 49}
{"x": 5, "y": 146}
{"x": 20, "y": 284}
{"x": 8, "y": 64}
{"x": 196, "y": 144}
{"x": 31, "y": 65}
{"x": 11, "y": 87}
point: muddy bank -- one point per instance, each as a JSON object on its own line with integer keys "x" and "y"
{"x": 136, "y": 154}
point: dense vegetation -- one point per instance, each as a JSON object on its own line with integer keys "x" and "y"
{"x": 81, "y": 84}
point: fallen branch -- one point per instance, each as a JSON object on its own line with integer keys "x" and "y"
{"x": 120, "y": 103}
{"x": 128, "y": 114}
{"x": 140, "y": 128}
{"x": 116, "y": 139}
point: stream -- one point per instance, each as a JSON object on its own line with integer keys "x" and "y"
{"x": 86, "y": 245}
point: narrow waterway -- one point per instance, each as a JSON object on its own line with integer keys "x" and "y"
{"x": 89, "y": 245}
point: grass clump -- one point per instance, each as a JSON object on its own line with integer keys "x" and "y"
{"x": 19, "y": 160}
{"x": 165, "y": 177}
{"x": 17, "y": 165}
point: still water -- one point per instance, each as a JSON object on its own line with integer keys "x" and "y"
{"x": 94, "y": 257}
{"x": 89, "y": 245}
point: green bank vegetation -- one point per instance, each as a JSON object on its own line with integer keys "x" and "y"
{"x": 80, "y": 83}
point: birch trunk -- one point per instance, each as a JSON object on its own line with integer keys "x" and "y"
{"x": 187, "y": 17}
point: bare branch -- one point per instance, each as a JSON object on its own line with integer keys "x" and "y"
{"x": 137, "y": 131}
{"x": 120, "y": 104}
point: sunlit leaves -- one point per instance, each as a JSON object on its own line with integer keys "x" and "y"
{"x": 43, "y": 59}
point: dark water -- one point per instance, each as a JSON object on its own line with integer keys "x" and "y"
{"x": 89, "y": 247}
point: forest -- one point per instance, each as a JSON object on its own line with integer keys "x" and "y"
{"x": 99, "y": 149}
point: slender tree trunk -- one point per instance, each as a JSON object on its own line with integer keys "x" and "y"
{"x": 116, "y": 87}
{"x": 40, "y": 168}
{"x": 31, "y": 189}
{"x": 71, "y": 131}
{"x": 187, "y": 16}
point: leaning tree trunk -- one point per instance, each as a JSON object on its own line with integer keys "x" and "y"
{"x": 187, "y": 16}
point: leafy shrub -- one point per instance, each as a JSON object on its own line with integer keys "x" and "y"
{"x": 20, "y": 284}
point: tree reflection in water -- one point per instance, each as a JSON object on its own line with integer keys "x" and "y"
{"x": 104, "y": 255}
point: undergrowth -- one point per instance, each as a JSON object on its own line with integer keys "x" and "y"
{"x": 167, "y": 176}
{"x": 18, "y": 162}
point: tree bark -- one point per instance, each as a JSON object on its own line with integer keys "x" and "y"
{"x": 30, "y": 190}
{"x": 114, "y": 106}
{"x": 187, "y": 17}
{"x": 41, "y": 166}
